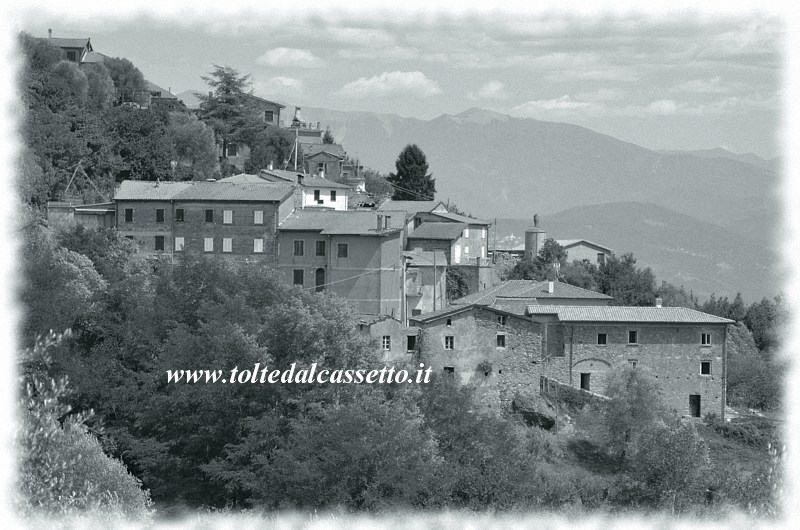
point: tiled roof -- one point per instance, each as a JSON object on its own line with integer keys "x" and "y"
{"x": 315, "y": 149}
{"x": 93, "y": 57}
{"x": 426, "y": 257}
{"x": 566, "y": 243}
{"x": 412, "y": 207}
{"x": 433, "y": 315}
{"x": 461, "y": 218}
{"x": 341, "y": 222}
{"x": 235, "y": 191}
{"x": 317, "y": 182}
{"x": 146, "y": 190}
{"x": 244, "y": 177}
{"x": 529, "y": 289}
{"x": 369, "y": 319}
{"x": 448, "y": 231}
{"x": 253, "y": 96}
{"x": 68, "y": 43}
{"x": 281, "y": 174}
{"x": 671, "y": 315}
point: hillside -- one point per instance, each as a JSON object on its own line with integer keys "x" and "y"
{"x": 701, "y": 256}
{"x": 489, "y": 163}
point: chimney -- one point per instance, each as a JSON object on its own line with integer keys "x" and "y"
{"x": 659, "y": 301}
{"x": 380, "y": 222}
{"x": 550, "y": 287}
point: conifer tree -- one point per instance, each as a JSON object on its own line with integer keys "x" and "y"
{"x": 412, "y": 182}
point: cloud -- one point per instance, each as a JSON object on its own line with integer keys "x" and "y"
{"x": 602, "y": 94}
{"x": 290, "y": 57}
{"x": 281, "y": 86}
{"x": 391, "y": 84}
{"x": 662, "y": 106}
{"x": 702, "y": 86}
{"x": 492, "y": 90}
{"x": 532, "y": 108}
{"x": 373, "y": 53}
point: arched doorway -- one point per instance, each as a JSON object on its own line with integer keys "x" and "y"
{"x": 319, "y": 276}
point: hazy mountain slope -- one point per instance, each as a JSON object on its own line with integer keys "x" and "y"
{"x": 683, "y": 250}
{"x": 489, "y": 163}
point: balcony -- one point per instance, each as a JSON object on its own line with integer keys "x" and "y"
{"x": 303, "y": 125}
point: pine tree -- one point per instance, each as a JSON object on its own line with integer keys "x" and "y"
{"x": 328, "y": 138}
{"x": 412, "y": 182}
{"x": 226, "y": 109}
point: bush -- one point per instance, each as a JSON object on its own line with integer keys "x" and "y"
{"x": 757, "y": 433}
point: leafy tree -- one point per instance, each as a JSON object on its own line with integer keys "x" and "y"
{"x": 634, "y": 404}
{"x": 765, "y": 319}
{"x": 672, "y": 296}
{"x": 412, "y": 182}
{"x": 68, "y": 86}
{"x": 193, "y": 143}
{"x": 100, "y": 91}
{"x": 456, "y": 280}
{"x": 328, "y": 138}
{"x": 629, "y": 285}
{"x": 377, "y": 184}
{"x": 141, "y": 146}
{"x": 580, "y": 274}
{"x": 267, "y": 144}
{"x": 128, "y": 81}
{"x": 543, "y": 265}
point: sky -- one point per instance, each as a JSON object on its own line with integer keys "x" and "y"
{"x": 660, "y": 80}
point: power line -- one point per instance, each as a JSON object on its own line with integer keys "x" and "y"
{"x": 370, "y": 271}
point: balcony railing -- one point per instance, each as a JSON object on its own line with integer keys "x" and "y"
{"x": 303, "y": 125}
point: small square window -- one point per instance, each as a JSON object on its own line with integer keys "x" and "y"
{"x": 415, "y": 312}
{"x": 159, "y": 243}
{"x": 342, "y": 250}
{"x": 227, "y": 244}
{"x": 501, "y": 319}
{"x": 632, "y": 363}
{"x": 209, "y": 216}
{"x": 299, "y": 247}
{"x": 232, "y": 149}
{"x": 501, "y": 341}
{"x": 450, "y": 371}
{"x": 128, "y": 215}
{"x": 387, "y": 342}
{"x": 258, "y": 217}
{"x": 601, "y": 258}
{"x": 179, "y": 242}
{"x": 602, "y": 338}
{"x": 269, "y": 116}
{"x": 298, "y": 278}
{"x": 159, "y": 215}
{"x": 333, "y": 195}
{"x": 705, "y": 367}
{"x": 633, "y": 337}
{"x": 449, "y": 342}
{"x": 411, "y": 342}
{"x": 179, "y": 215}
{"x": 449, "y": 322}
{"x": 705, "y": 339}
{"x": 258, "y": 246}
{"x": 320, "y": 248}
{"x": 208, "y": 244}
{"x": 227, "y": 217}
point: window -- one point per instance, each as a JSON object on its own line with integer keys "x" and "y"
{"x": 269, "y": 116}
{"x": 179, "y": 242}
{"x": 299, "y": 248}
{"x": 319, "y": 279}
{"x": 415, "y": 312}
{"x": 449, "y": 322}
{"x": 258, "y": 246}
{"x": 449, "y": 371}
{"x": 694, "y": 405}
{"x": 209, "y": 216}
{"x": 232, "y": 149}
{"x": 632, "y": 363}
{"x": 128, "y": 215}
{"x": 179, "y": 215}
{"x": 501, "y": 340}
{"x": 633, "y": 337}
{"x": 208, "y": 244}
{"x": 585, "y": 385}
{"x": 316, "y": 196}
{"x": 227, "y": 244}
{"x": 320, "y": 167}
{"x": 227, "y": 217}
{"x": 298, "y": 277}
{"x": 387, "y": 342}
{"x": 449, "y": 342}
{"x": 159, "y": 242}
{"x": 333, "y": 195}
{"x": 320, "y": 248}
{"x": 159, "y": 215}
{"x": 342, "y": 250}
{"x": 705, "y": 367}
{"x": 705, "y": 339}
{"x": 501, "y": 319}
{"x": 601, "y": 258}
{"x": 411, "y": 342}
{"x": 417, "y": 222}
{"x": 466, "y": 232}
{"x": 602, "y": 338}
{"x": 131, "y": 238}
{"x": 72, "y": 56}
{"x": 466, "y": 250}
{"x": 258, "y": 217}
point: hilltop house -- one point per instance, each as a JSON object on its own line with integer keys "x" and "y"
{"x": 312, "y": 192}
{"x": 393, "y": 341}
{"x": 233, "y": 220}
{"x": 324, "y": 160}
{"x": 75, "y": 48}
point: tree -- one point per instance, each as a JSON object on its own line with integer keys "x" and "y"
{"x": 633, "y": 405}
{"x": 543, "y": 265}
{"x": 193, "y": 143}
{"x": 141, "y": 146}
{"x": 457, "y": 286}
{"x": 267, "y": 144}
{"x": 128, "y": 81}
{"x": 412, "y": 182}
{"x": 377, "y": 184}
{"x": 629, "y": 285}
{"x": 672, "y": 296}
{"x": 766, "y": 320}
{"x": 101, "y": 91}
{"x": 328, "y": 138}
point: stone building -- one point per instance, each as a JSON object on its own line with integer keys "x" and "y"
{"x": 394, "y": 342}
{"x": 583, "y": 250}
